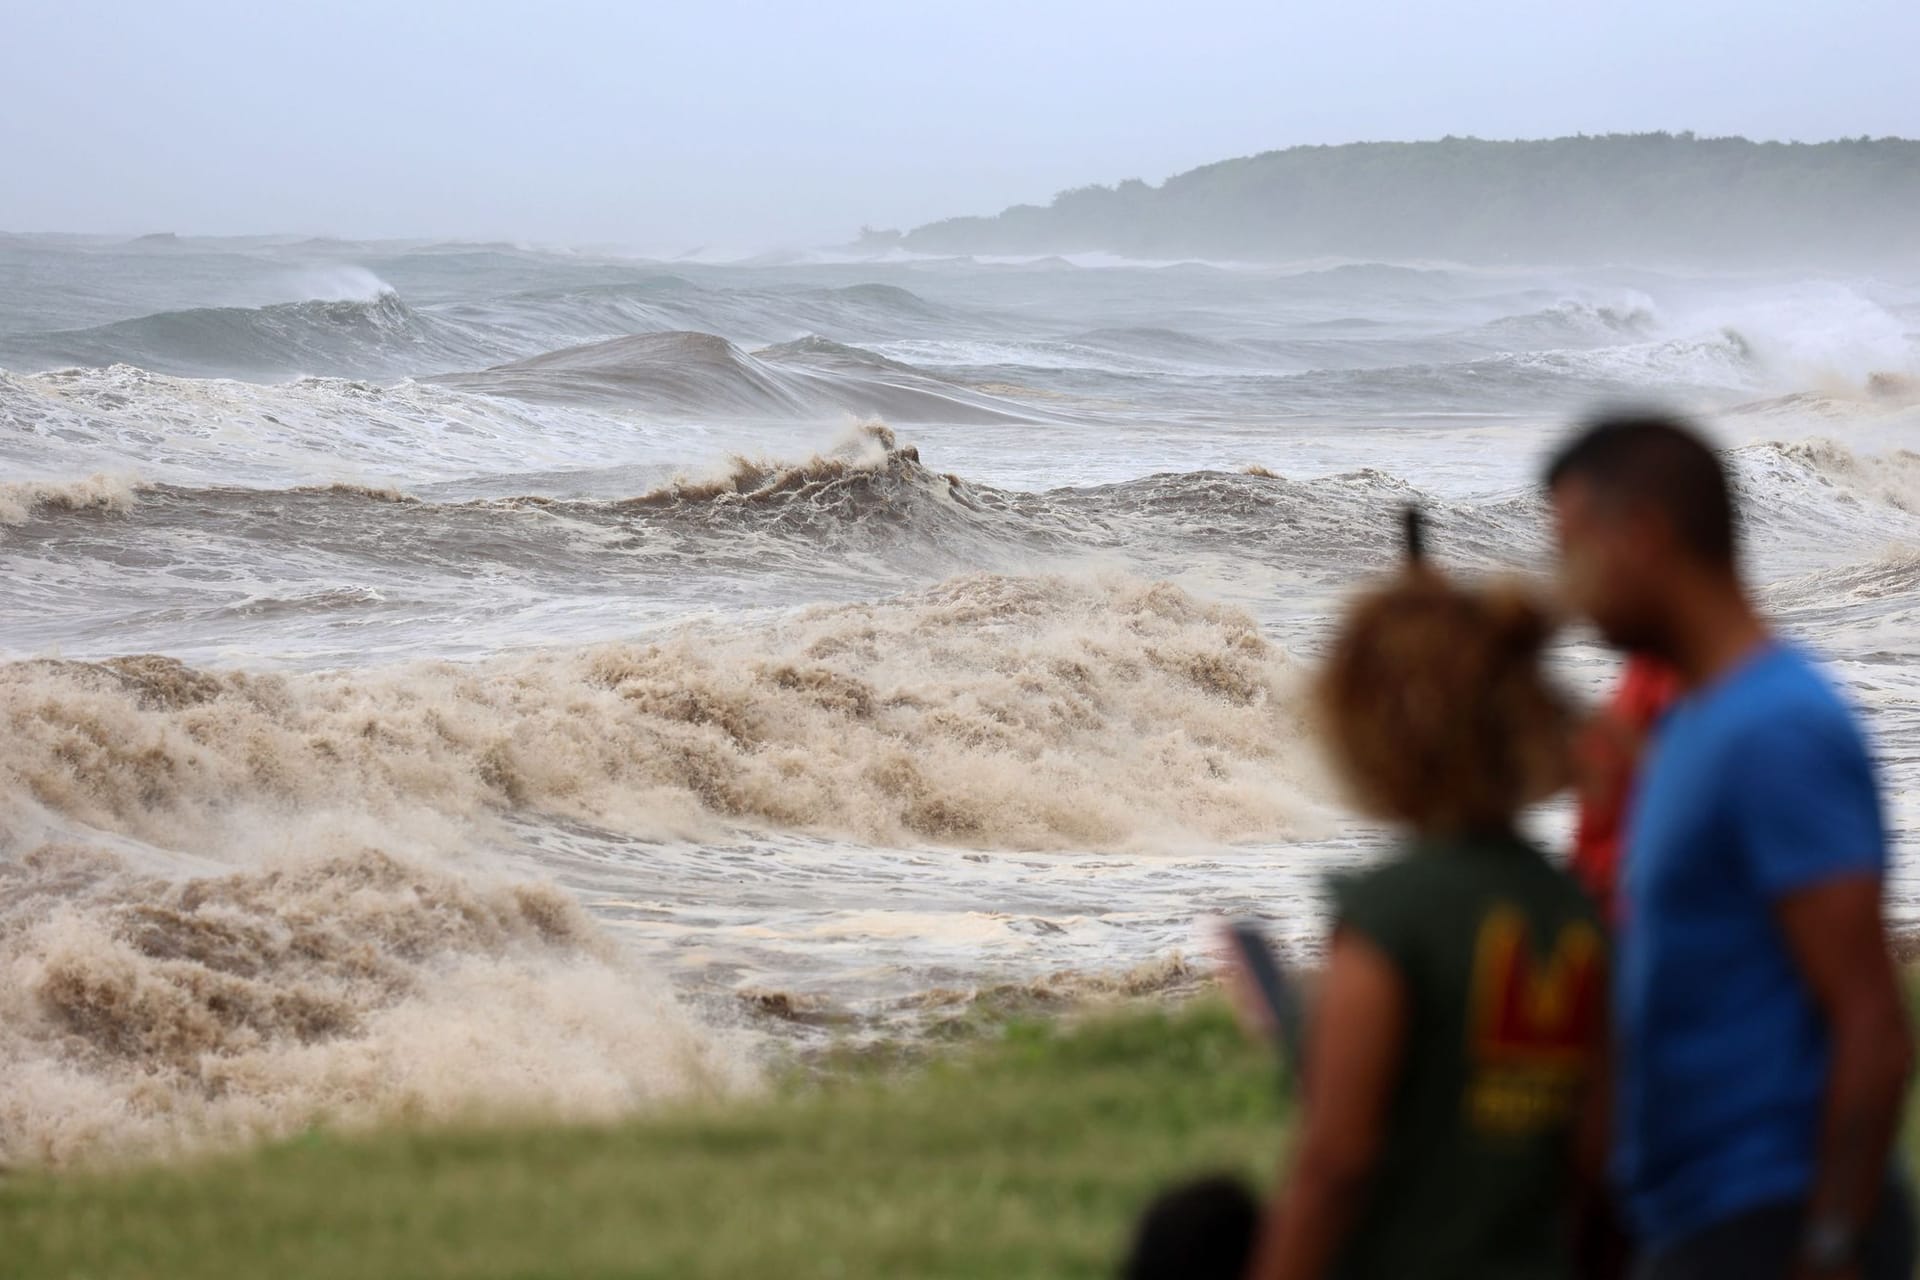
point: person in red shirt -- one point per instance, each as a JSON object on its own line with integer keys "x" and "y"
{"x": 1609, "y": 753}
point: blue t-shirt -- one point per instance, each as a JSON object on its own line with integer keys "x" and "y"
{"x": 1759, "y": 785}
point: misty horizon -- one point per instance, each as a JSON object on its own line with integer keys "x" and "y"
{"x": 736, "y": 128}
{"x": 866, "y": 231}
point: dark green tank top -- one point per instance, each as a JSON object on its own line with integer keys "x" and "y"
{"x": 1504, "y": 964}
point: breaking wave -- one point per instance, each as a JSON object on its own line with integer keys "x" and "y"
{"x": 1575, "y": 322}
{"x": 1892, "y": 580}
{"x": 992, "y": 711}
{"x": 145, "y": 1015}
{"x": 1809, "y": 499}
{"x": 870, "y": 489}
{"x": 1892, "y": 479}
{"x": 20, "y": 501}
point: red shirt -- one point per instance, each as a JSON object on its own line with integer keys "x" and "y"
{"x": 1609, "y": 753}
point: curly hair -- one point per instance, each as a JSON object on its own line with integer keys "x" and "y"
{"x": 1434, "y": 707}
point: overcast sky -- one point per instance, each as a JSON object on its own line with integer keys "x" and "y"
{"x": 714, "y": 122}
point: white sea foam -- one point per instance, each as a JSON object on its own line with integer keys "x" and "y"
{"x": 142, "y": 1016}
{"x": 990, "y": 711}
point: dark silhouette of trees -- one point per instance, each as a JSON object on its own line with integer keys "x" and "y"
{"x": 1643, "y": 198}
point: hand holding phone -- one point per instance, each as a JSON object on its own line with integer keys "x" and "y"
{"x": 1265, "y": 985}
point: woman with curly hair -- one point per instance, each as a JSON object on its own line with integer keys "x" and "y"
{"x": 1453, "y": 1075}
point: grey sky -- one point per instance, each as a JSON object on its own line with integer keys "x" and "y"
{"x": 719, "y": 122}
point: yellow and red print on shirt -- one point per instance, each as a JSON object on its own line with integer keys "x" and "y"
{"x": 1534, "y": 1019}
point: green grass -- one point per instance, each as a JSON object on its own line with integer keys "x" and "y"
{"x": 1025, "y": 1153}
{"x": 1023, "y": 1150}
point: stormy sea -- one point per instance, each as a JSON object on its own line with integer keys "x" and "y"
{"x": 451, "y": 676}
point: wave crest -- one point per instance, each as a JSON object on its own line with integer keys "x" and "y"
{"x": 868, "y": 449}
{"x": 113, "y": 494}
{"x": 699, "y": 374}
{"x": 143, "y": 1016}
{"x": 1576, "y": 320}
{"x": 357, "y": 334}
{"x": 1891, "y": 478}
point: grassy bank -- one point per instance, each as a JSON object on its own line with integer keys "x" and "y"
{"x": 1024, "y": 1154}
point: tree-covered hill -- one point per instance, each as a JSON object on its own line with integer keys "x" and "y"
{"x": 1646, "y": 198}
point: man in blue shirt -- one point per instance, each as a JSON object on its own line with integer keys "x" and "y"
{"x": 1761, "y": 1045}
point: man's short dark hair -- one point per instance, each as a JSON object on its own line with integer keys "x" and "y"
{"x": 1658, "y": 460}
{"x": 1199, "y": 1230}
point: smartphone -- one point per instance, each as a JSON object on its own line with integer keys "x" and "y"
{"x": 1277, "y": 989}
